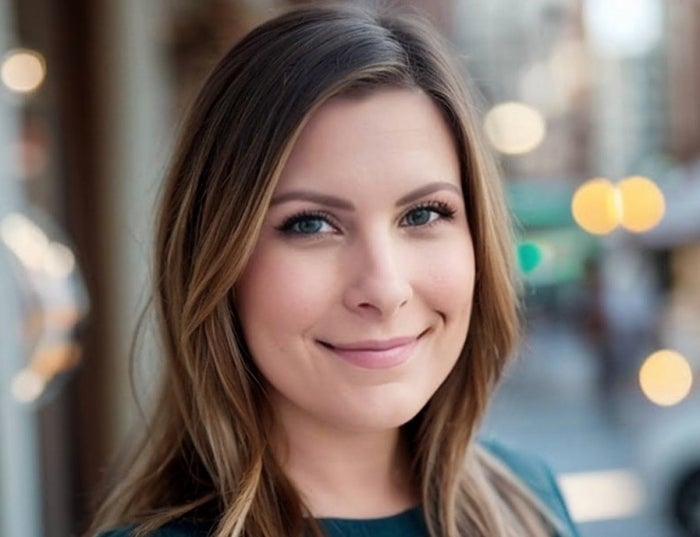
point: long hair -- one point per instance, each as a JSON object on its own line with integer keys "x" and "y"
{"x": 205, "y": 455}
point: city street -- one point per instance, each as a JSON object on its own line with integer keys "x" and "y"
{"x": 549, "y": 405}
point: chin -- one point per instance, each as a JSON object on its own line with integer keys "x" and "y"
{"x": 382, "y": 413}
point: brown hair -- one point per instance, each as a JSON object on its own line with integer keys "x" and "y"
{"x": 206, "y": 452}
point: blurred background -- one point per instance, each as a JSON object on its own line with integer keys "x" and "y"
{"x": 592, "y": 107}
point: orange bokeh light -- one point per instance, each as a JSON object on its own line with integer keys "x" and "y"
{"x": 666, "y": 378}
{"x": 643, "y": 204}
{"x": 596, "y": 206}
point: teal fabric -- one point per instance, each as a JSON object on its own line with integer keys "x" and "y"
{"x": 407, "y": 524}
{"x": 534, "y": 473}
{"x": 181, "y": 528}
{"x": 537, "y": 476}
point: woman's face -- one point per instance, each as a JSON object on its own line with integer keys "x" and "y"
{"x": 356, "y": 301}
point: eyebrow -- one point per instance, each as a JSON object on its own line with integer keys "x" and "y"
{"x": 341, "y": 203}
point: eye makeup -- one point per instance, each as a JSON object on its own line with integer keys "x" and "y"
{"x": 312, "y": 223}
{"x": 308, "y": 223}
{"x": 441, "y": 211}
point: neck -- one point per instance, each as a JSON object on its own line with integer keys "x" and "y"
{"x": 347, "y": 474}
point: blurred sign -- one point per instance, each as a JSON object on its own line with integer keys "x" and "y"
{"x": 541, "y": 203}
{"x": 554, "y": 256}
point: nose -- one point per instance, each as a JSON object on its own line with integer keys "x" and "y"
{"x": 379, "y": 283}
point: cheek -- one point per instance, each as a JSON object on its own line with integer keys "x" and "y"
{"x": 449, "y": 277}
{"x": 279, "y": 292}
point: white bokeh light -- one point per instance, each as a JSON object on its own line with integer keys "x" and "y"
{"x": 23, "y": 70}
{"x": 27, "y": 386}
{"x": 514, "y": 128}
{"x": 623, "y": 28}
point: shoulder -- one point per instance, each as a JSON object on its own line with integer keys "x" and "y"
{"x": 532, "y": 470}
{"x": 536, "y": 475}
{"x": 179, "y": 528}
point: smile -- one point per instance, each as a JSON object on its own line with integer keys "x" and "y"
{"x": 376, "y": 354}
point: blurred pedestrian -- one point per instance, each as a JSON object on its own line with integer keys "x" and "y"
{"x": 335, "y": 289}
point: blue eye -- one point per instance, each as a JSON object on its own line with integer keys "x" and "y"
{"x": 420, "y": 217}
{"x": 307, "y": 224}
{"x": 428, "y": 214}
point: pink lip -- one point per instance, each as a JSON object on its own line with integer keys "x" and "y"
{"x": 375, "y": 354}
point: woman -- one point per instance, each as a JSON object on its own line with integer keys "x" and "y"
{"x": 336, "y": 297}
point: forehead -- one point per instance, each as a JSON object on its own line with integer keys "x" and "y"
{"x": 382, "y": 133}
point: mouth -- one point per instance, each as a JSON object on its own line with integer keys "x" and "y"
{"x": 376, "y": 353}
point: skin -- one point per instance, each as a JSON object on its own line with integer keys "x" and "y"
{"x": 389, "y": 255}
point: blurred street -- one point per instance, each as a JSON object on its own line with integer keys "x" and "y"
{"x": 549, "y": 405}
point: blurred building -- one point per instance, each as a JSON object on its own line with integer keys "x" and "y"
{"x": 683, "y": 38}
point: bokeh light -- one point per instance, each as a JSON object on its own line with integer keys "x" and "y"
{"x": 514, "y": 128}
{"x": 27, "y": 386}
{"x": 529, "y": 256}
{"x": 666, "y": 378}
{"x": 23, "y": 70}
{"x": 59, "y": 260}
{"x": 596, "y": 206}
{"x": 636, "y": 203}
{"x": 643, "y": 204}
{"x": 53, "y": 303}
{"x": 25, "y": 239}
{"x": 603, "y": 494}
{"x": 623, "y": 28}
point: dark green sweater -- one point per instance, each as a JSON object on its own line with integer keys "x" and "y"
{"x": 533, "y": 473}
{"x": 407, "y": 524}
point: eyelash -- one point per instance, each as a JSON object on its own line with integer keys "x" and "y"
{"x": 444, "y": 211}
{"x": 287, "y": 226}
